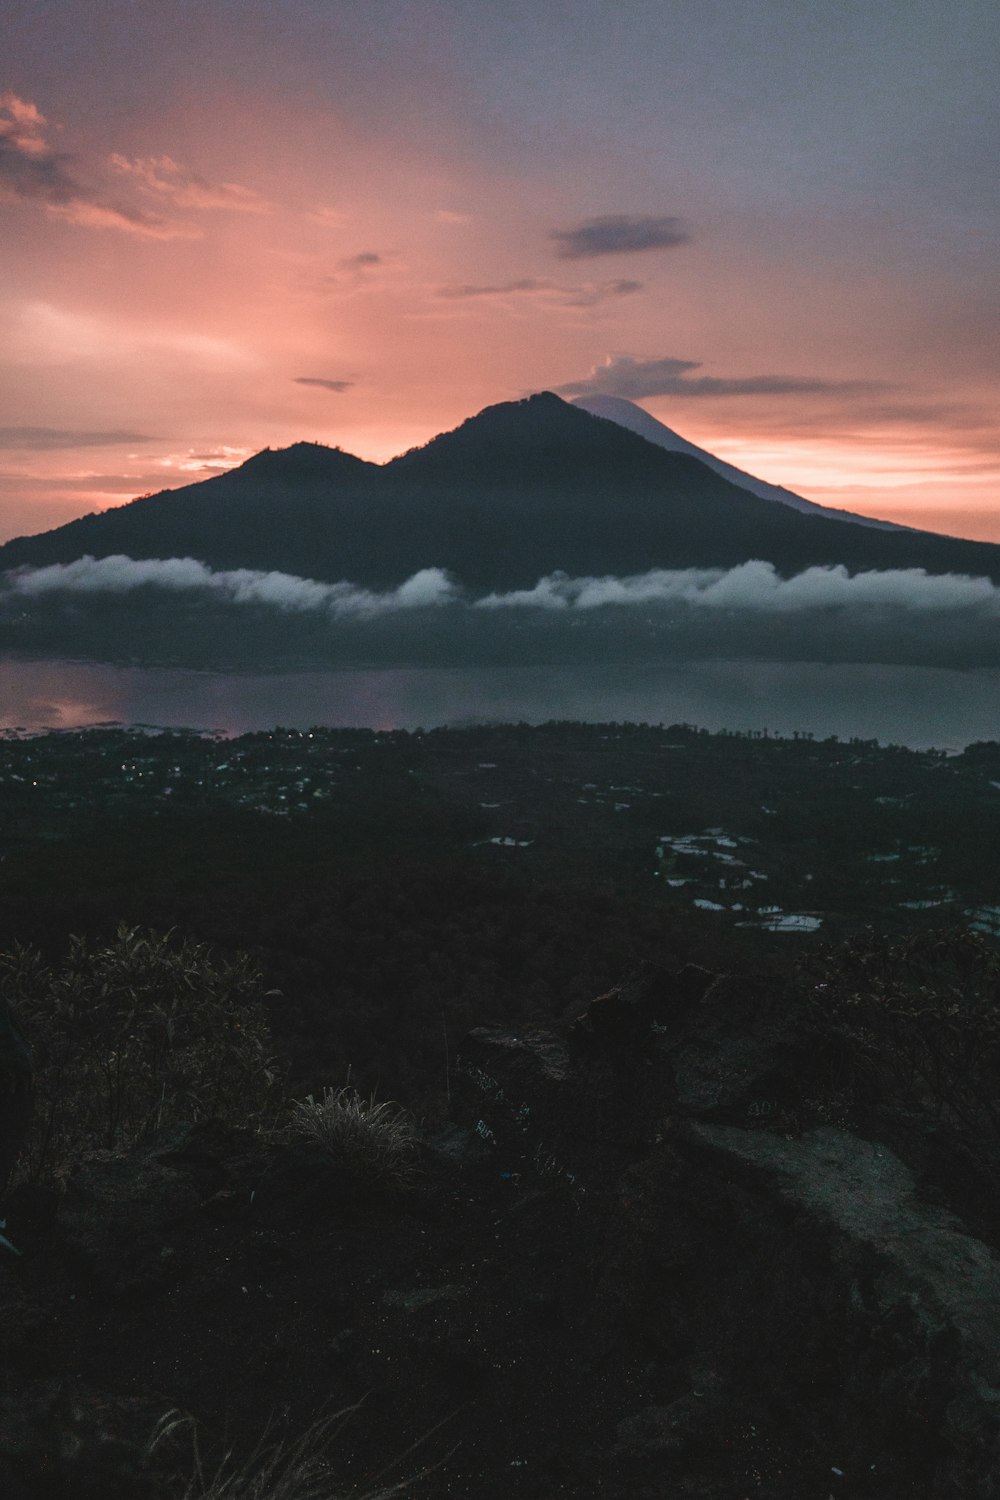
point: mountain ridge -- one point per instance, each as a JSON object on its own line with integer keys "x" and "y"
{"x": 518, "y": 491}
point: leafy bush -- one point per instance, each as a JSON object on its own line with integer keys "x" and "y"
{"x": 134, "y": 1034}
{"x": 915, "y": 1020}
{"x": 375, "y": 1142}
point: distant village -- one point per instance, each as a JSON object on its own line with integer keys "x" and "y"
{"x": 788, "y": 836}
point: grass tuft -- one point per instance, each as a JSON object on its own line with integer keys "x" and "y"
{"x": 376, "y": 1142}
{"x": 273, "y": 1470}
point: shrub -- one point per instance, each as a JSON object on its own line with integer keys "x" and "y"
{"x": 375, "y": 1142}
{"x": 915, "y": 1020}
{"x": 134, "y": 1034}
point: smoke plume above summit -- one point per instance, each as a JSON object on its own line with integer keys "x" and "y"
{"x": 634, "y": 379}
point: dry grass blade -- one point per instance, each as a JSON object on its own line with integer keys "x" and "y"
{"x": 130, "y": 1035}
{"x": 298, "y": 1470}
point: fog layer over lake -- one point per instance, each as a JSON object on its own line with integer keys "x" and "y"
{"x": 916, "y": 706}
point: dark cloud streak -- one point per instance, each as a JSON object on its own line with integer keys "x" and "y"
{"x": 48, "y": 439}
{"x": 365, "y": 260}
{"x": 619, "y": 234}
{"x": 586, "y": 295}
{"x": 501, "y": 289}
{"x": 326, "y": 385}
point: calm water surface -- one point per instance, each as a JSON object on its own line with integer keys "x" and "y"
{"x": 906, "y": 705}
{"x": 914, "y": 706}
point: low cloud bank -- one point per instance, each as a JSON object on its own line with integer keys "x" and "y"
{"x": 280, "y": 591}
{"x": 754, "y": 587}
{"x": 180, "y": 611}
{"x": 757, "y": 586}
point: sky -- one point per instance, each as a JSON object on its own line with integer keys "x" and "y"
{"x": 230, "y": 224}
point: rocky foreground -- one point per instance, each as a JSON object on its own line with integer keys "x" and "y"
{"x": 674, "y": 1252}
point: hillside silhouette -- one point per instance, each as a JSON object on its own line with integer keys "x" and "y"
{"x": 521, "y": 490}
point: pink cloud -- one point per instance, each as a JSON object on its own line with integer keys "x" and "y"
{"x": 23, "y": 125}
{"x": 31, "y": 169}
{"x": 331, "y": 218}
{"x": 94, "y": 215}
{"x": 163, "y": 177}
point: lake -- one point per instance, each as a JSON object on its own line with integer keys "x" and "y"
{"x": 916, "y": 706}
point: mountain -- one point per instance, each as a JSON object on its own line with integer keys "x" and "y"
{"x": 521, "y": 490}
{"x": 287, "y": 505}
{"x": 636, "y": 419}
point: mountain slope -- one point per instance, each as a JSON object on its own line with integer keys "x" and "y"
{"x": 627, "y": 414}
{"x": 519, "y": 491}
{"x": 286, "y": 509}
